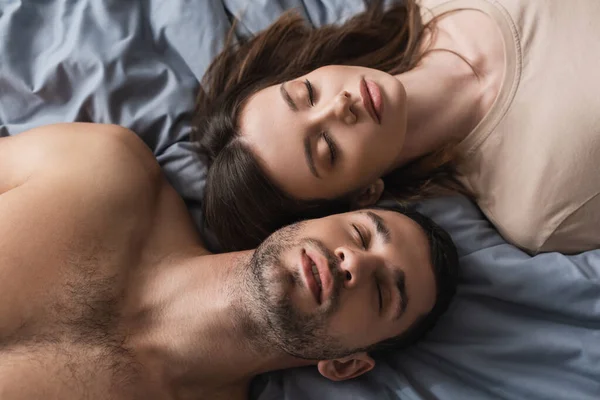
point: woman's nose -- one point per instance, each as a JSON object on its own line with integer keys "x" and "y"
{"x": 339, "y": 108}
{"x": 356, "y": 266}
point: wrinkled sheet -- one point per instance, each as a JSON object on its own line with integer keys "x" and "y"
{"x": 521, "y": 327}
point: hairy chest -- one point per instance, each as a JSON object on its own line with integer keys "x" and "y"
{"x": 67, "y": 329}
{"x": 72, "y": 293}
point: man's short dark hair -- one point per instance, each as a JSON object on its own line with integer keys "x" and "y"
{"x": 444, "y": 261}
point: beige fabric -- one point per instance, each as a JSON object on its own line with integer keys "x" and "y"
{"x": 534, "y": 160}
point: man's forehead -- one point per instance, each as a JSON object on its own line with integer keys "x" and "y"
{"x": 391, "y": 219}
{"x": 389, "y": 216}
{"x": 399, "y": 225}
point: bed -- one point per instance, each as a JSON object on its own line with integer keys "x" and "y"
{"x": 521, "y": 327}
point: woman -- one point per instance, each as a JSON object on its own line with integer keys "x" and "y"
{"x": 496, "y": 99}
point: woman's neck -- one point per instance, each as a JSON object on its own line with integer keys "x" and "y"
{"x": 454, "y": 85}
{"x": 443, "y": 95}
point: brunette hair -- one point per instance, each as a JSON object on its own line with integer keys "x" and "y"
{"x": 241, "y": 205}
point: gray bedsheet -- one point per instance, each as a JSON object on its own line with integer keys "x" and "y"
{"x": 521, "y": 328}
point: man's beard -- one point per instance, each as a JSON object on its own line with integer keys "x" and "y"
{"x": 300, "y": 335}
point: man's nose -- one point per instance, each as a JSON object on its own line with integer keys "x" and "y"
{"x": 356, "y": 266}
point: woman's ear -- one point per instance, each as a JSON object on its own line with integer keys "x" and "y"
{"x": 345, "y": 368}
{"x": 369, "y": 195}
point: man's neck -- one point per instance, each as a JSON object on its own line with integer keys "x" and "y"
{"x": 199, "y": 332}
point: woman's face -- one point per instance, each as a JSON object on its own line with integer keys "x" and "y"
{"x": 329, "y": 133}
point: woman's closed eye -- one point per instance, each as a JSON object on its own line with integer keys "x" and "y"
{"x": 333, "y": 149}
{"x": 311, "y": 92}
{"x": 331, "y": 146}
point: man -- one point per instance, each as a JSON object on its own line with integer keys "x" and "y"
{"x": 107, "y": 293}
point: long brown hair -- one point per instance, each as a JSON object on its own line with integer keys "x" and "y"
{"x": 242, "y": 206}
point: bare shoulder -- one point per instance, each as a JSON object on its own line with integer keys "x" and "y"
{"x": 79, "y": 151}
{"x": 108, "y": 148}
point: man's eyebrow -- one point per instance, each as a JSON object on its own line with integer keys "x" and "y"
{"x": 309, "y": 157}
{"x": 401, "y": 284}
{"x": 380, "y": 226}
{"x": 287, "y": 98}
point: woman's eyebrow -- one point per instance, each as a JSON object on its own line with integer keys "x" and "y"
{"x": 287, "y": 98}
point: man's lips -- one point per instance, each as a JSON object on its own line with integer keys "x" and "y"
{"x": 309, "y": 278}
{"x": 310, "y": 257}
{"x": 371, "y": 97}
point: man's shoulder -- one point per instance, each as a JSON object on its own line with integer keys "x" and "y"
{"x": 74, "y": 149}
{"x": 104, "y": 149}
{"x": 81, "y": 165}
{"x": 95, "y": 157}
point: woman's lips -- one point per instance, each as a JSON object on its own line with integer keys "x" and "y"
{"x": 372, "y": 100}
{"x": 376, "y": 98}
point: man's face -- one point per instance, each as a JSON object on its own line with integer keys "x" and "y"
{"x": 334, "y": 286}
